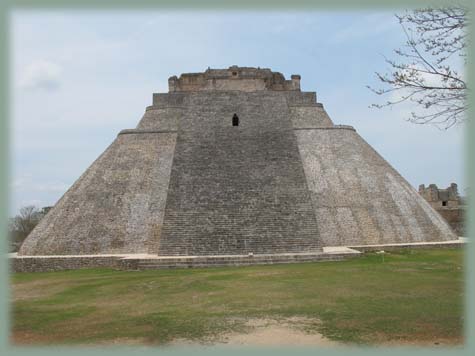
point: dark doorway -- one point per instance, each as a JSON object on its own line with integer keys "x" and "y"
{"x": 235, "y": 120}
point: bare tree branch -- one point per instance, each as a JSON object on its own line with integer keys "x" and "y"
{"x": 424, "y": 71}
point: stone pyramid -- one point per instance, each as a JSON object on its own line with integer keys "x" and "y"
{"x": 235, "y": 161}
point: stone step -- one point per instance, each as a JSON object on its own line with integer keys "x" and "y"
{"x": 223, "y": 261}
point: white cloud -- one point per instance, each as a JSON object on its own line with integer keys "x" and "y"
{"x": 43, "y": 75}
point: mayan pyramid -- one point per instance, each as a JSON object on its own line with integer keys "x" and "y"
{"x": 235, "y": 161}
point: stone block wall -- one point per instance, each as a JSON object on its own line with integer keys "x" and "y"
{"x": 56, "y": 263}
{"x": 448, "y": 203}
{"x": 456, "y": 218}
{"x": 237, "y": 189}
{"x": 161, "y": 118}
{"x": 309, "y": 117}
{"x": 116, "y": 206}
{"x": 359, "y": 199}
{"x": 188, "y": 182}
{"x": 245, "y": 79}
{"x": 439, "y": 198}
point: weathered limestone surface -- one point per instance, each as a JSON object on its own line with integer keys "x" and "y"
{"x": 161, "y": 118}
{"x": 456, "y": 218}
{"x": 188, "y": 182}
{"x": 246, "y": 79}
{"x": 237, "y": 189}
{"x": 55, "y": 263}
{"x": 116, "y": 206}
{"x": 438, "y": 198}
{"x": 140, "y": 262}
{"x": 449, "y": 204}
{"x": 309, "y": 117}
{"x": 359, "y": 199}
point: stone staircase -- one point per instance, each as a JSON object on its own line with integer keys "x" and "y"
{"x": 149, "y": 263}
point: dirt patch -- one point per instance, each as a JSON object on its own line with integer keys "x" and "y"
{"x": 267, "y": 332}
{"x": 270, "y": 332}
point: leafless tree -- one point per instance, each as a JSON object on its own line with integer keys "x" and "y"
{"x": 27, "y": 219}
{"x": 426, "y": 70}
{"x": 22, "y": 224}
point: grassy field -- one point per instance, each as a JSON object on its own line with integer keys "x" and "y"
{"x": 412, "y": 296}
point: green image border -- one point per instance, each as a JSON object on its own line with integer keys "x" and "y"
{"x": 7, "y": 6}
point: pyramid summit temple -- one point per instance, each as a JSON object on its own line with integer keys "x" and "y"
{"x": 235, "y": 161}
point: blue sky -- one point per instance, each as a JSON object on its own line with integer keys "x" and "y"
{"x": 78, "y": 78}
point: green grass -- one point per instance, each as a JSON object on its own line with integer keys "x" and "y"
{"x": 414, "y": 295}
